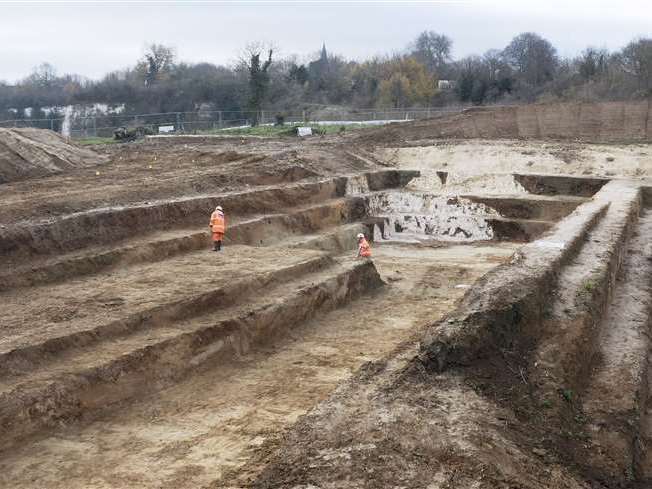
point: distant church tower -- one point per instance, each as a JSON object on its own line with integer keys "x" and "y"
{"x": 319, "y": 69}
{"x": 324, "y": 55}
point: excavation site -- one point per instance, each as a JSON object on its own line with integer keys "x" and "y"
{"x": 498, "y": 337}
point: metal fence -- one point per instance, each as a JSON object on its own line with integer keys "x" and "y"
{"x": 103, "y": 125}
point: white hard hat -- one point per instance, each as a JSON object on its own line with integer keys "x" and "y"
{"x": 218, "y": 208}
{"x": 360, "y": 235}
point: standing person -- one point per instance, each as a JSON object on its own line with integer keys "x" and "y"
{"x": 364, "y": 250}
{"x": 218, "y": 226}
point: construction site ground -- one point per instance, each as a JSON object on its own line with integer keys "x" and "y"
{"x": 497, "y": 338}
{"x": 194, "y": 432}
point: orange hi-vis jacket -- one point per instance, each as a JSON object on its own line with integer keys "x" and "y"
{"x": 364, "y": 248}
{"x": 218, "y": 225}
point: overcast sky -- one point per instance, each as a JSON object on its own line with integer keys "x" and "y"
{"x": 91, "y": 38}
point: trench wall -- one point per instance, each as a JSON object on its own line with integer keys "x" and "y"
{"x": 106, "y": 225}
{"x": 507, "y": 304}
{"x": 595, "y": 122}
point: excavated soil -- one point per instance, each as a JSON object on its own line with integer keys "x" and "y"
{"x": 28, "y": 153}
{"x": 498, "y": 338}
{"x": 600, "y": 122}
{"x": 204, "y": 429}
{"x": 158, "y": 169}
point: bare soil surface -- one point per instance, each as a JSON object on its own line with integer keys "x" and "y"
{"x": 29, "y": 153}
{"x": 614, "y": 416}
{"x": 602, "y": 122}
{"x": 159, "y": 169}
{"x": 381, "y": 430}
{"x": 485, "y": 166}
{"x": 209, "y": 426}
{"x": 41, "y": 313}
{"x": 430, "y": 381}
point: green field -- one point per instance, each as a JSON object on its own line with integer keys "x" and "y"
{"x": 94, "y": 140}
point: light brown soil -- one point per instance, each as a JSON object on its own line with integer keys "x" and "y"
{"x": 40, "y": 313}
{"x": 145, "y": 360}
{"x": 602, "y": 122}
{"x": 158, "y": 169}
{"x": 485, "y": 166}
{"x": 28, "y": 153}
{"x": 211, "y": 424}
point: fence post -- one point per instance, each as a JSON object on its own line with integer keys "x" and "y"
{"x": 51, "y": 124}
{"x": 178, "y": 117}
{"x": 219, "y": 119}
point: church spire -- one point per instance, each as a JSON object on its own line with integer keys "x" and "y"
{"x": 324, "y": 55}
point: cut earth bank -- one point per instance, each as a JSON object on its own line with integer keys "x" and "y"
{"x": 140, "y": 359}
{"x": 539, "y": 377}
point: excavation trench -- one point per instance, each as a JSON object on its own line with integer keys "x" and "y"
{"x": 421, "y": 216}
{"x": 116, "y": 322}
{"x": 400, "y": 215}
{"x": 131, "y": 355}
{"x": 208, "y": 425}
{"x": 26, "y": 239}
{"x": 146, "y": 360}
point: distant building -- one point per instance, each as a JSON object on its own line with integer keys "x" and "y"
{"x": 320, "y": 66}
{"x": 319, "y": 70}
{"x": 446, "y": 84}
{"x": 323, "y": 59}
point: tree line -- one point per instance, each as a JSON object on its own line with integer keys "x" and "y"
{"x": 528, "y": 69}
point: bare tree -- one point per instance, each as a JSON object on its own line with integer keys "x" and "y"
{"x": 157, "y": 61}
{"x": 43, "y": 75}
{"x": 592, "y": 63}
{"x": 495, "y": 64}
{"x": 433, "y": 50}
{"x": 258, "y": 77}
{"x": 532, "y": 57}
{"x": 636, "y": 60}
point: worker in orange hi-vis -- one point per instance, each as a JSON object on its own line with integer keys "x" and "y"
{"x": 364, "y": 250}
{"x": 218, "y": 226}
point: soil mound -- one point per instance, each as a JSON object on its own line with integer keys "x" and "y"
{"x": 605, "y": 122}
{"x": 28, "y": 153}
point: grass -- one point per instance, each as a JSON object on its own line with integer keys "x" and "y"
{"x": 90, "y": 141}
{"x": 589, "y": 285}
{"x": 287, "y": 130}
{"x": 567, "y": 394}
